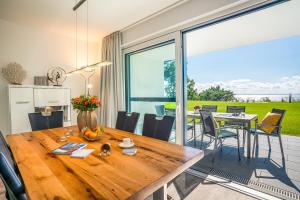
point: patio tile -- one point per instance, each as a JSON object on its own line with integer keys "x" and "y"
{"x": 293, "y": 138}
{"x": 294, "y": 175}
{"x": 293, "y": 147}
{"x": 293, "y": 158}
{"x": 293, "y": 166}
{"x": 292, "y": 152}
{"x": 294, "y": 143}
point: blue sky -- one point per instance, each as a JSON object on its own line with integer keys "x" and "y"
{"x": 275, "y": 63}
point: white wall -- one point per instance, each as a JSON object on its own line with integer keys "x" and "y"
{"x": 37, "y": 51}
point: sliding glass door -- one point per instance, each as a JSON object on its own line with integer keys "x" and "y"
{"x": 151, "y": 82}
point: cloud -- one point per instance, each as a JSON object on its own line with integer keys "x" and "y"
{"x": 284, "y": 85}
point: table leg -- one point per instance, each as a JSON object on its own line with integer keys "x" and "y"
{"x": 161, "y": 193}
{"x": 248, "y": 139}
{"x": 194, "y": 132}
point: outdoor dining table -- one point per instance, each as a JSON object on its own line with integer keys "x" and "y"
{"x": 245, "y": 119}
{"x": 115, "y": 176}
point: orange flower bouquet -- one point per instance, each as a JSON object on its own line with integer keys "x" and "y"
{"x": 85, "y": 103}
{"x": 87, "y": 117}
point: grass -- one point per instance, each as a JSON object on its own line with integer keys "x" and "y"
{"x": 291, "y": 121}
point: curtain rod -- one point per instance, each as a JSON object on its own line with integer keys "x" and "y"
{"x": 78, "y": 4}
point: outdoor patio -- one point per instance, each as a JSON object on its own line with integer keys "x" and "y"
{"x": 264, "y": 173}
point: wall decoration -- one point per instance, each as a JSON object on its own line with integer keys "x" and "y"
{"x": 41, "y": 80}
{"x": 14, "y": 73}
{"x": 56, "y": 76}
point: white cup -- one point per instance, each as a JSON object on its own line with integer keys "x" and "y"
{"x": 127, "y": 141}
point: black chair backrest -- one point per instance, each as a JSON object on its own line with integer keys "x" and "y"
{"x": 235, "y": 109}
{"x": 10, "y": 176}
{"x": 126, "y": 121}
{"x": 4, "y": 148}
{"x": 158, "y": 128}
{"x": 56, "y": 119}
{"x": 209, "y": 108}
{"x": 282, "y": 113}
{"x": 160, "y": 110}
{"x": 208, "y": 123}
{"x": 40, "y": 122}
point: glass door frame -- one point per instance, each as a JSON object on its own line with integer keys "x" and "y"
{"x": 210, "y": 22}
{"x": 175, "y": 37}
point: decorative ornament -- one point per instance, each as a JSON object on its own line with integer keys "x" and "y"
{"x": 14, "y": 73}
{"x": 56, "y": 75}
{"x": 105, "y": 149}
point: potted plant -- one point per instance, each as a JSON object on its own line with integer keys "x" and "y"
{"x": 87, "y": 117}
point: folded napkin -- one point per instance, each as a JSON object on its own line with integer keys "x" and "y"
{"x": 82, "y": 153}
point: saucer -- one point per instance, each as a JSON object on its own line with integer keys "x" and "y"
{"x": 128, "y": 146}
{"x": 130, "y": 152}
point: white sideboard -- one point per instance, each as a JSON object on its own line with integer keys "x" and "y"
{"x": 24, "y": 99}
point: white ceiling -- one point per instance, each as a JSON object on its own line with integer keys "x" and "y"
{"x": 105, "y": 16}
{"x": 276, "y": 22}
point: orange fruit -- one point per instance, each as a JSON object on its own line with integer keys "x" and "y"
{"x": 93, "y": 135}
{"x": 87, "y": 133}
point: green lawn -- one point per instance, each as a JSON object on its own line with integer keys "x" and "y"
{"x": 291, "y": 121}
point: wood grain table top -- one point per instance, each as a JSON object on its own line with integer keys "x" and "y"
{"x": 118, "y": 176}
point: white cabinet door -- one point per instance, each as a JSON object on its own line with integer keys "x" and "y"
{"x": 51, "y": 97}
{"x": 21, "y": 103}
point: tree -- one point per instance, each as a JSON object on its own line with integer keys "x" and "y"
{"x": 192, "y": 92}
{"x": 170, "y": 78}
{"x": 216, "y": 94}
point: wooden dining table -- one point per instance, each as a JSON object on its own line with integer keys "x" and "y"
{"x": 245, "y": 119}
{"x": 116, "y": 176}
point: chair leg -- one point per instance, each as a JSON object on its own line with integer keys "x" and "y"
{"x": 215, "y": 149}
{"x": 221, "y": 145}
{"x": 201, "y": 145}
{"x": 254, "y": 143}
{"x": 281, "y": 148}
{"x": 244, "y": 135}
{"x": 238, "y": 143}
{"x": 269, "y": 143}
{"x": 194, "y": 136}
{"x": 257, "y": 145}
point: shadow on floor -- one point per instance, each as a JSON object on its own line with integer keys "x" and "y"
{"x": 265, "y": 168}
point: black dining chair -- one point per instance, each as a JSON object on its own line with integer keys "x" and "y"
{"x": 240, "y": 125}
{"x": 3, "y": 141}
{"x": 127, "y": 121}
{"x": 40, "y": 122}
{"x": 217, "y": 134}
{"x": 209, "y": 108}
{"x": 12, "y": 180}
{"x": 158, "y": 128}
{"x": 4, "y": 148}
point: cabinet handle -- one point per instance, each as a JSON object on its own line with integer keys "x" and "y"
{"x": 53, "y": 101}
{"x": 22, "y": 102}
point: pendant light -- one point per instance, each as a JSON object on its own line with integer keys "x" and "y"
{"x": 87, "y": 68}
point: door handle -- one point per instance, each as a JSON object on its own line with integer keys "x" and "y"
{"x": 22, "y": 102}
{"x": 53, "y": 101}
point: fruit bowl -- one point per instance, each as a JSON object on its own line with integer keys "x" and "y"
{"x": 92, "y": 139}
{"x": 92, "y": 135}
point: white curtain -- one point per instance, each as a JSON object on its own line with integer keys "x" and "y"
{"x": 111, "y": 80}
